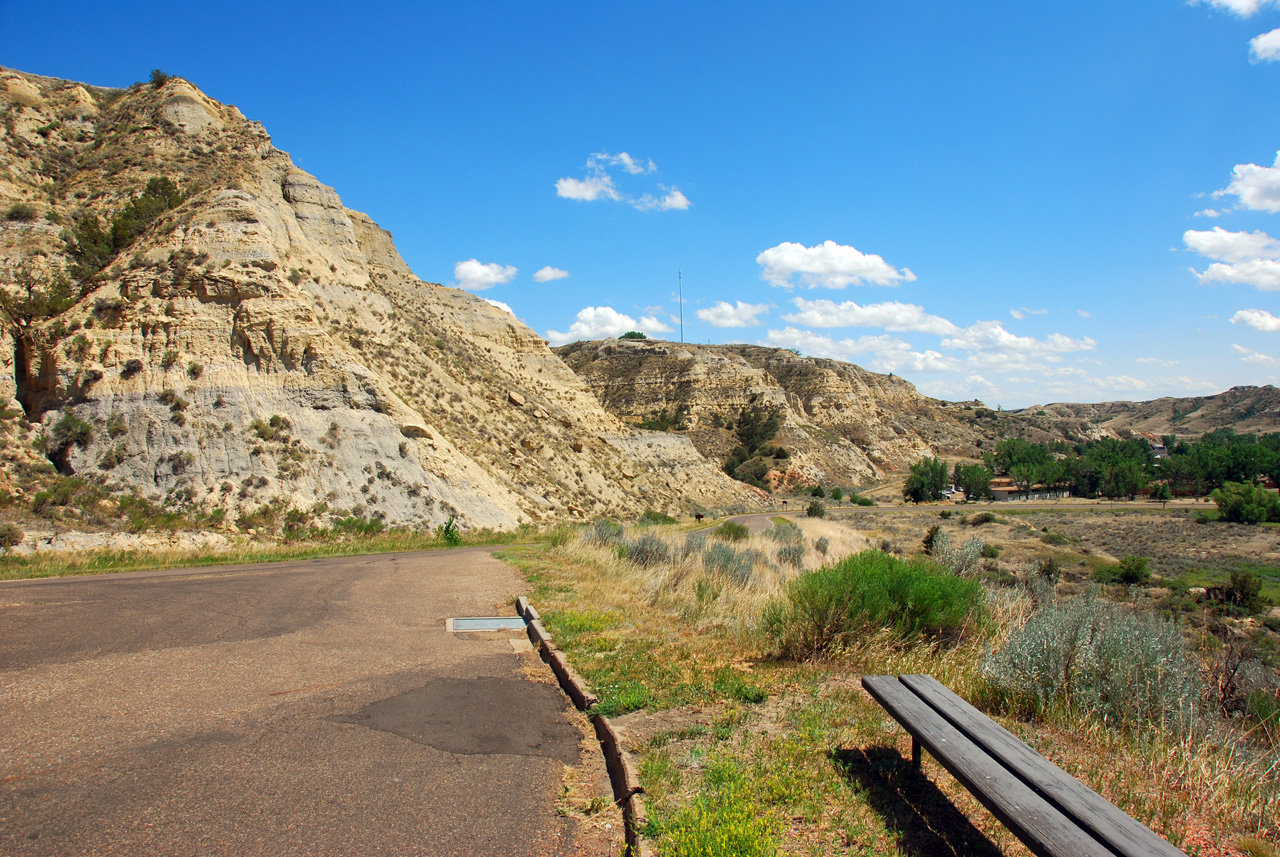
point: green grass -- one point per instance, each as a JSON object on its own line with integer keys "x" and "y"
{"x": 51, "y": 564}
{"x": 1219, "y": 577}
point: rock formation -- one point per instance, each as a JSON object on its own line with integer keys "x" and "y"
{"x": 259, "y": 343}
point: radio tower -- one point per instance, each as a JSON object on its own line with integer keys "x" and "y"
{"x": 680, "y": 286}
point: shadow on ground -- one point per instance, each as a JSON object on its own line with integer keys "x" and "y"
{"x": 925, "y": 821}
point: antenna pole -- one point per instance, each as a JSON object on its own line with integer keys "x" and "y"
{"x": 680, "y": 285}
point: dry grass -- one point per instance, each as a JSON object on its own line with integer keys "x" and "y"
{"x": 675, "y": 652}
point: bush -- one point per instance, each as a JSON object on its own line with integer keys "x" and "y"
{"x": 837, "y": 494}
{"x": 858, "y": 500}
{"x": 822, "y": 545}
{"x": 1244, "y": 589}
{"x": 604, "y": 533}
{"x": 448, "y": 533}
{"x": 990, "y": 551}
{"x": 738, "y": 565}
{"x": 356, "y": 526}
{"x": 981, "y": 518}
{"x": 1243, "y": 503}
{"x": 830, "y": 607}
{"x": 69, "y": 429}
{"x": 22, "y": 212}
{"x": 962, "y": 560}
{"x": 159, "y": 78}
{"x": 652, "y": 517}
{"x": 648, "y": 550}
{"x": 791, "y": 555}
{"x": 694, "y": 543}
{"x": 931, "y": 537}
{"x": 1131, "y": 570}
{"x": 10, "y": 536}
{"x": 816, "y": 509}
{"x": 1129, "y": 668}
{"x": 817, "y": 491}
{"x": 730, "y": 531}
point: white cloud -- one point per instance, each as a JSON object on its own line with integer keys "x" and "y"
{"x": 599, "y": 184}
{"x": 1260, "y": 273}
{"x": 1266, "y": 47}
{"x": 1254, "y": 358}
{"x": 1156, "y": 361}
{"x": 477, "y": 276}
{"x": 991, "y": 336}
{"x": 829, "y": 265}
{"x": 588, "y": 189}
{"x": 889, "y": 353}
{"x": 891, "y": 315}
{"x": 725, "y": 314}
{"x": 673, "y": 200}
{"x": 602, "y": 322}
{"x": 1084, "y": 313}
{"x": 547, "y": 274}
{"x": 1023, "y": 312}
{"x": 1257, "y": 188}
{"x": 1209, "y": 212}
{"x": 1258, "y": 319}
{"x": 1226, "y": 246}
{"x": 1240, "y": 8}
{"x": 500, "y": 305}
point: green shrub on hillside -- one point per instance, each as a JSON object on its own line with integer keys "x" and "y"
{"x": 830, "y": 607}
{"x": 1244, "y": 503}
{"x": 731, "y": 531}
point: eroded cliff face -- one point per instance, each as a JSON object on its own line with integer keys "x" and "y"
{"x": 260, "y": 343}
{"x": 841, "y": 423}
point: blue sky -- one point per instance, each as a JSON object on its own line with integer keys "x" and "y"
{"x": 1019, "y": 202}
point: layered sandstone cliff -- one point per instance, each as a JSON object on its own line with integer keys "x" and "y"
{"x": 260, "y": 343}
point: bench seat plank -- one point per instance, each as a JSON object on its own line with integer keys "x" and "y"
{"x": 1122, "y": 833}
{"x": 1044, "y": 830}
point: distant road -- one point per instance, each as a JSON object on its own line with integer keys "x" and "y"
{"x": 305, "y": 708}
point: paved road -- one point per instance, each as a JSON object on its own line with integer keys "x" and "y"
{"x": 312, "y": 707}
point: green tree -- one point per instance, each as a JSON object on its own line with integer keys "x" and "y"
{"x": 1024, "y": 475}
{"x": 926, "y": 481}
{"x": 1243, "y": 503}
{"x": 974, "y": 480}
{"x": 633, "y": 334}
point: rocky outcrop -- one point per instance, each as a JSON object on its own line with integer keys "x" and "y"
{"x": 260, "y": 343}
{"x": 841, "y": 424}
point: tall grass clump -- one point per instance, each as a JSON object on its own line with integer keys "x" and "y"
{"x": 731, "y": 531}
{"x": 828, "y": 608}
{"x": 648, "y": 550}
{"x": 1129, "y": 668}
{"x": 605, "y": 533}
{"x": 737, "y": 565}
{"x": 786, "y": 532}
{"x": 694, "y": 543}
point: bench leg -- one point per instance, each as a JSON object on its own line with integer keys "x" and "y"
{"x": 915, "y": 753}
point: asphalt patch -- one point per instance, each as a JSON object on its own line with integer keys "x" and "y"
{"x": 478, "y": 717}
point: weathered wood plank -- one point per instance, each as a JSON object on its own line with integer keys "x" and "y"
{"x": 1044, "y": 829}
{"x": 1124, "y": 834}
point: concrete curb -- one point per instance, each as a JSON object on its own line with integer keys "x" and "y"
{"x": 617, "y": 761}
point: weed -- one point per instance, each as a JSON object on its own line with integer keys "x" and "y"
{"x": 791, "y": 555}
{"x": 652, "y": 517}
{"x": 648, "y": 550}
{"x": 731, "y": 531}
{"x": 605, "y": 532}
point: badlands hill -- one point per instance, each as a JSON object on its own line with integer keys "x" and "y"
{"x": 1247, "y": 410}
{"x": 234, "y": 336}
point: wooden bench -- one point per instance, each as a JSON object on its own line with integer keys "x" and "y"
{"x": 1048, "y": 809}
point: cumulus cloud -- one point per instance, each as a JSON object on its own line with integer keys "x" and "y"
{"x": 1258, "y": 319}
{"x": 1257, "y": 188}
{"x": 1023, "y": 312}
{"x": 1224, "y": 246}
{"x": 476, "y": 276}
{"x": 891, "y": 315}
{"x": 1240, "y": 8}
{"x": 671, "y": 200}
{"x": 888, "y": 353}
{"x": 725, "y": 314}
{"x": 1263, "y": 274}
{"x": 829, "y": 265}
{"x": 500, "y": 305}
{"x": 601, "y": 322}
{"x": 599, "y": 183}
{"x": 547, "y": 274}
{"x": 991, "y": 336}
{"x": 1265, "y": 48}
{"x": 588, "y": 189}
{"x": 1253, "y": 358}
{"x": 1211, "y": 213}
